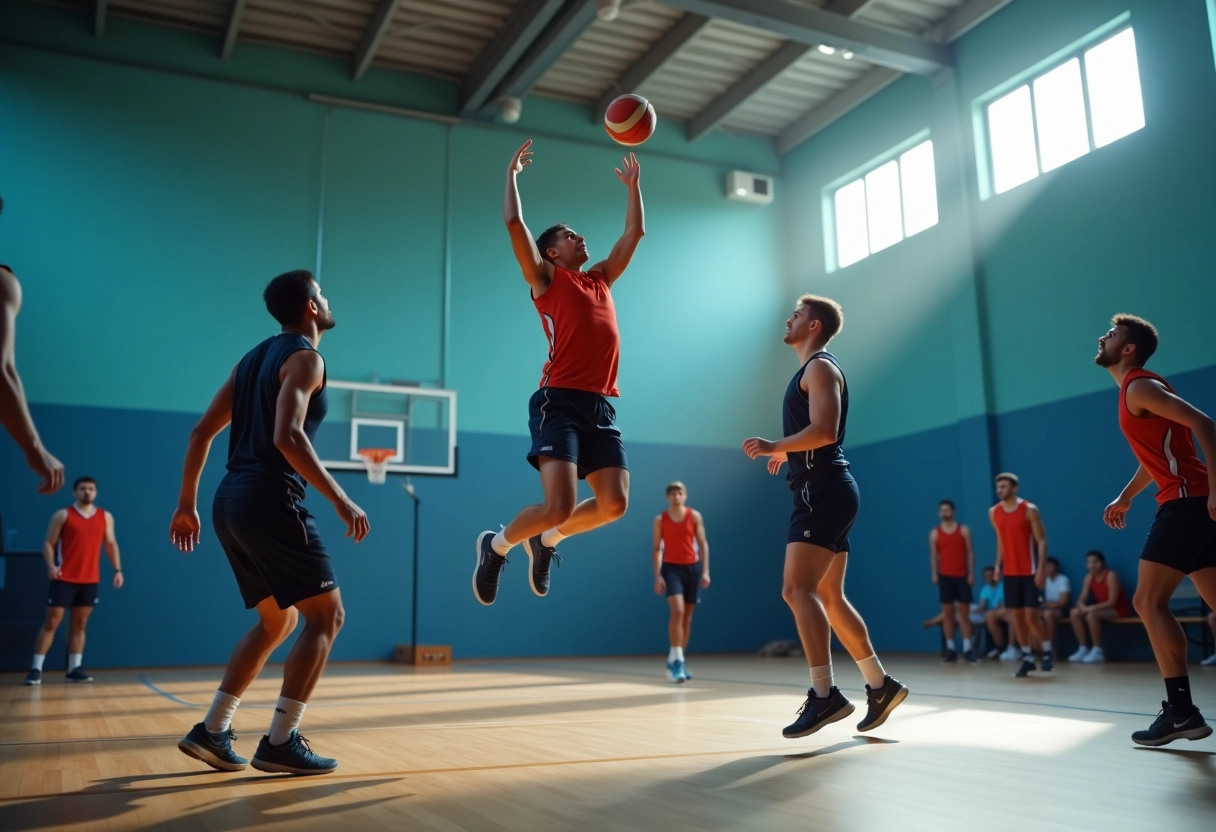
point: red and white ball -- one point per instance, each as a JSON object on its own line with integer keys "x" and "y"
{"x": 630, "y": 120}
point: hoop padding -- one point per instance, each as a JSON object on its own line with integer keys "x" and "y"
{"x": 376, "y": 462}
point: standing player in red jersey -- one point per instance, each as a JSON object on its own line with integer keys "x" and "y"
{"x": 573, "y": 426}
{"x": 681, "y": 570}
{"x": 952, "y": 564}
{"x": 1182, "y": 540}
{"x": 1021, "y": 557}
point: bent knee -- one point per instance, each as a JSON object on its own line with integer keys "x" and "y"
{"x": 797, "y": 593}
{"x": 613, "y": 506}
{"x": 558, "y": 511}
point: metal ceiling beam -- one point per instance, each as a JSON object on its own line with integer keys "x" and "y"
{"x": 574, "y": 19}
{"x": 99, "y": 18}
{"x": 749, "y": 85}
{"x": 848, "y": 8}
{"x": 520, "y": 30}
{"x": 965, "y": 18}
{"x": 810, "y": 26}
{"x": 650, "y": 62}
{"x": 377, "y": 28}
{"x": 235, "y": 13}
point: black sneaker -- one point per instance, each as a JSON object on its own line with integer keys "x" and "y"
{"x": 1046, "y": 663}
{"x": 78, "y": 675}
{"x": 1169, "y": 727}
{"x": 949, "y": 657}
{"x": 541, "y": 557}
{"x": 489, "y": 567}
{"x": 971, "y": 657}
{"x": 816, "y": 713}
{"x": 881, "y": 702}
{"x": 34, "y": 677}
{"x": 292, "y": 757}
{"x": 213, "y": 749}
{"x": 1027, "y": 667}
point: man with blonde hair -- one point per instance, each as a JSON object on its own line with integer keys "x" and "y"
{"x": 681, "y": 570}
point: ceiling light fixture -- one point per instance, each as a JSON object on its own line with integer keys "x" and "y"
{"x": 827, "y": 50}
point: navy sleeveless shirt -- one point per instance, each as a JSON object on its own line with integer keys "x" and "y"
{"x": 821, "y": 463}
{"x": 255, "y": 465}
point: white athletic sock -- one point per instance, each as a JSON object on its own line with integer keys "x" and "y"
{"x": 679, "y": 653}
{"x": 74, "y": 660}
{"x": 673, "y": 654}
{"x": 821, "y": 680}
{"x": 500, "y": 544}
{"x": 287, "y": 716}
{"x": 1026, "y": 651}
{"x": 1047, "y": 645}
{"x": 551, "y": 538}
{"x": 219, "y": 716}
{"x": 38, "y": 660}
{"x": 966, "y": 644}
{"x": 871, "y": 669}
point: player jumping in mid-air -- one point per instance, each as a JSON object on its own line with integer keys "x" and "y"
{"x": 1182, "y": 541}
{"x": 826, "y": 500}
{"x": 573, "y": 426}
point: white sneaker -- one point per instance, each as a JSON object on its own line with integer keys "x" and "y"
{"x": 1210, "y": 661}
{"x": 1080, "y": 655}
{"x": 1096, "y": 656}
{"x": 994, "y": 653}
{"x": 1011, "y": 653}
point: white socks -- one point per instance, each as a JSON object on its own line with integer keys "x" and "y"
{"x": 1047, "y": 645}
{"x": 500, "y": 544}
{"x": 74, "y": 660}
{"x": 675, "y": 654}
{"x": 872, "y": 670}
{"x": 551, "y": 538}
{"x": 821, "y": 680}
{"x": 287, "y": 716}
{"x": 38, "y": 660}
{"x": 219, "y": 717}
{"x": 966, "y": 644}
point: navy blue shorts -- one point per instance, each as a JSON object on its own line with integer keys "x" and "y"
{"x": 683, "y": 579}
{"x": 1020, "y": 592}
{"x": 273, "y": 547}
{"x": 1183, "y": 536}
{"x": 576, "y": 426}
{"x": 952, "y": 590}
{"x": 824, "y": 513}
{"x": 63, "y": 594}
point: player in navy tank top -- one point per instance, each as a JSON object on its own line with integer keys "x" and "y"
{"x": 814, "y": 415}
{"x": 274, "y": 400}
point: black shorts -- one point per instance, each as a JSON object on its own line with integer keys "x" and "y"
{"x": 682, "y": 579}
{"x": 576, "y": 426}
{"x": 64, "y": 594}
{"x": 1183, "y": 536}
{"x": 1021, "y": 593}
{"x": 273, "y": 547}
{"x": 824, "y": 513}
{"x": 953, "y": 590}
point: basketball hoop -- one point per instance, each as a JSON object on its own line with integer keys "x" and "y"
{"x": 376, "y": 462}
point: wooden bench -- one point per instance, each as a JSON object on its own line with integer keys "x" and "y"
{"x": 1201, "y": 621}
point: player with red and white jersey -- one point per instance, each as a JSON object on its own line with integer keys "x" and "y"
{"x": 1021, "y": 558}
{"x": 1182, "y": 541}
{"x": 573, "y": 425}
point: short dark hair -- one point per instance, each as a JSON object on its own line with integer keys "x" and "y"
{"x": 79, "y": 480}
{"x": 548, "y": 237}
{"x": 1140, "y": 333}
{"x": 675, "y": 486}
{"x": 946, "y": 503}
{"x": 1012, "y": 479}
{"x": 826, "y": 311}
{"x": 988, "y": 569}
{"x": 286, "y": 295}
{"x": 1054, "y": 561}
{"x": 1095, "y": 553}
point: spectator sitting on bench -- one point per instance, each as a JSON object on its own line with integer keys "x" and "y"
{"x": 1056, "y": 596}
{"x": 991, "y": 608}
{"x": 1101, "y": 599}
{"x": 1210, "y": 661}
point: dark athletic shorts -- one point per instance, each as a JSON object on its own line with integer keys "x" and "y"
{"x": 1183, "y": 536}
{"x": 1020, "y": 592}
{"x": 64, "y": 594}
{"x": 273, "y": 547}
{"x": 953, "y": 590}
{"x": 576, "y": 426}
{"x": 824, "y": 513}
{"x": 682, "y": 579}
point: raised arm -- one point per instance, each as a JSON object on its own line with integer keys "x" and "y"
{"x": 703, "y": 542}
{"x": 630, "y": 173}
{"x": 1152, "y": 397}
{"x": 537, "y": 271}
{"x": 1040, "y": 538}
{"x": 185, "y": 526}
{"x": 14, "y": 411}
{"x": 112, "y": 551}
{"x": 52, "y": 541}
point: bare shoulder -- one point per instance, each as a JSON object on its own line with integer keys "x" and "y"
{"x": 966, "y": 530}
{"x": 1031, "y": 508}
{"x": 697, "y": 515}
{"x": 820, "y": 375}
{"x": 303, "y": 365}
{"x": 59, "y": 516}
{"x": 933, "y": 533}
{"x": 10, "y": 288}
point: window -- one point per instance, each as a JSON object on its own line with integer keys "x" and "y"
{"x": 895, "y": 199}
{"x": 1083, "y": 102}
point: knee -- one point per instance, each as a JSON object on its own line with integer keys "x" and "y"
{"x": 1146, "y": 603}
{"x": 77, "y": 626}
{"x": 279, "y": 630}
{"x": 559, "y": 509}
{"x": 613, "y": 506}
{"x": 52, "y": 621}
{"x": 328, "y": 621}
{"x": 796, "y": 594}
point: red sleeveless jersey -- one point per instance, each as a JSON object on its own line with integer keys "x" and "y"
{"x": 1164, "y": 448}
{"x": 951, "y": 552}
{"x": 1017, "y": 542}
{"x": 1101, "y": 592}
{"x": 678, "y": 539}
{"x": 579, "y": 319}
{"x": 79, "y": 546}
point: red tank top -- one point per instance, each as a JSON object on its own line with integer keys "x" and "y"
{"x": 579, "y": 320}
{"x": 1164, "y": 448}
{"x": 79, "y": 546}
{"x": 678, "y": 538}
{"x": 1101, "y": 592}
{"x": 1017, "y": 543}
{"x": 951, "y": 552}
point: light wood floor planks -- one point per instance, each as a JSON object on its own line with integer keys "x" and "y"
{"x": 608, "y": 744}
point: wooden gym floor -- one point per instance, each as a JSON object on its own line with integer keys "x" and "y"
{"x": 608, "y": 744}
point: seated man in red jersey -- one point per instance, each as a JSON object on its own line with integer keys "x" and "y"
{"x": 681, "y": 570}
{"x": 1101, "y": 598}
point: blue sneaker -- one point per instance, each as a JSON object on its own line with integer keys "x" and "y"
{"x": 78, "y": 675}
{"x": 214, "y": 749}
{"x": 687, "y": 675}
{"x": 489, "y": 567}
{"x": 34, "y": 677}
{"x": 675, "y": 672}
{"x": 292, "y": 757}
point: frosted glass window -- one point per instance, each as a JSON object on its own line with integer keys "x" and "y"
{"x": 882, "y": 207}
{"x": 1011, "y": 133}
{"x": 1059, "y": 110}
{"x": 852, "y": 239}
{"x": 1113, "y": 76}
{"x": 920, "y": 188}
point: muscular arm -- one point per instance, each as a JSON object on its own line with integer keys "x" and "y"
{"x": 1150, "y": 396}
{"x": 1115, "y": 514}
{"x": 970, "y": 555}
{"x": 1040, "y": 539}
{"x": 703, "y": 543}
{"x": 657, "y": 549}
{"x": 822, "y": 383}
{"x": 635, "y": 223}
{"x": 52, "y": 540}
{"x": 112, "y": 551}
{"x": 933, "y": 554}
{"x": 185, "y": 527}
{"x": 997, "y": 561}
{"x": 536, "y": 270}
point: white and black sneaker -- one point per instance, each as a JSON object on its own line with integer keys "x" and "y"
{"x": 78, "y": 675}
{"x": 816, "y": 713}
{"x": 34, "y": 677}
{"x": 881, "y": 702}
{"x": 489, "y": 567}
{"x": 292, "y": 757}
{"x": 214, "y": 749}
{"x": 1169, "y": 727}
{"x": 950, "y": 656}
{"x": 540, "y": 557}
{"x": 1027, "y": 667}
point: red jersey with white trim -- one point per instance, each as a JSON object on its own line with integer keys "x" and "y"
{"x": 1017, "y": 540}
{"x": 79, "y": 548}
{"x": 579, "y": 319}
{"x": 679, "y": 538}
{"x": 951, "y": 552}
{"x": 1101, "y": 592}
{"x": 1165, "y": 448}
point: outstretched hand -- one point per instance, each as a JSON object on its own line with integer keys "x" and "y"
{"x": 629, "y": 171}
{"x": 756, "y": 446}
{"x": 522, "y": 158}
{"x": 184, "y": 528}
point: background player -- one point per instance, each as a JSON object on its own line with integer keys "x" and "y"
{"x": 1182, "y": 540}
{"x": 681, "y": 569}
{"x": 72, "y": 551}
{"x": 275, "y": 400}
{"x": 952, "y": 565}
{"x": 814, "y": 416}
{"x": 573, "y": 426}
{"x": 1021, "y": 554}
